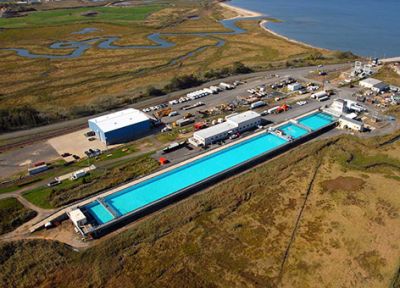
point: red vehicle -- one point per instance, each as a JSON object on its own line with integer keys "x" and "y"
{"x": 40, "y": 163}
{"x": 283, "y": 108}
{"x": 199, "y": 125}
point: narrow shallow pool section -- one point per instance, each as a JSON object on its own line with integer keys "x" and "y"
{"x": 99, "y": 212}
{"x": 316, "y": 121}
{"x": 168, "y": 183}
{"x": 293, "y": 130}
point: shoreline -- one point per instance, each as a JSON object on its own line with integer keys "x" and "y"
{"x": 242, "y": 12}
{"x": 263, "y": 25}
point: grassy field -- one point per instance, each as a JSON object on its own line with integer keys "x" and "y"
{"x": 324, "y": 215}
{"x": 13, "y": 214}
{"x": 74, "y": 16}
{"x": 102, "y": 79}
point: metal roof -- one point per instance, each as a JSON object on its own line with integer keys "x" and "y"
{"x": 232, "y": 122}
{"x": 120, "y": 119}
{"x": 242, "y": 117}
{"x": 215, "y": 130}
{"x": 371, "y": 81}
{"x": 76, "y": 215}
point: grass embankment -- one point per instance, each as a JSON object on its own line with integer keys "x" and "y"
{"x": 237, "y": 233}
{"x": 388, "y": 75}
{"x": 96, "y": 181}
{"x": 103, "y": 79}
{"x": 13, "y": 214}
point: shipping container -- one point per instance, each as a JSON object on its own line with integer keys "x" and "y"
{"x": 37, "y": 169}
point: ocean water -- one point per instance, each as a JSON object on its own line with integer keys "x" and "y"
{"x": 365, "y": 27}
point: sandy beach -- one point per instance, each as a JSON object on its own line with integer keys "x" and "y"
{"x": 240, "y": 11}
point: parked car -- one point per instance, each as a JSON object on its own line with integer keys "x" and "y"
{"x": 55, "y": 182}
{"x": 173, "y": 113}
{"x": 90, "y": 134}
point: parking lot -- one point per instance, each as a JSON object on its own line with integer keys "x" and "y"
{"x": 14, "y": 161}
{"x": 76, "y": 143}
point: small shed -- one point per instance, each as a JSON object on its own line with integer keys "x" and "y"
{"x": 347, "y": 123}
{"x": 77, "y": 217}
{"x": 294, "y": 86}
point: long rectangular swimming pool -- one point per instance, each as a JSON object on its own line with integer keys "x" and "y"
{"x": 150, "y": 191}
{"x": 163, "y": 185}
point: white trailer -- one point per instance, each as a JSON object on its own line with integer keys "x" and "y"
{"x": 78, "y": 174}
{"x": 215, "y": 89}
{"x": 319, "y": 95}
{"x": 257, "y": 104}
{"x": 208, "y": 90}
{"x": 324, "y": 98}
{"x": 272, "y": 110}
{"x": 226, "y": 86}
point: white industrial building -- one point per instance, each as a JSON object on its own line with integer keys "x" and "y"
{"x": 122, "y": 126}
{"x": 235, "y": 123}
{"x": 374, "y": 84}
{"x": 347, "y": 123}
{"x": 339, "y": 105}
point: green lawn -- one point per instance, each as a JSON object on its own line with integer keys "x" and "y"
{"x": 69, "y": 16}
{"x": 39, "y": 197}
{"x": 13, "y": 214}
{"x": 98, "y": 180}
{"x": 42, "y": 196}
{"x": 9, "y": 189}
{"x": 118, "y": 153}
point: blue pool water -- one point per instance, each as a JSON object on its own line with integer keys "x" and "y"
{"x": 142, "y": 194}
{"x": 99, "y": 212}
{"x": 316, "y": 121}
{"x": 293, "y": 130}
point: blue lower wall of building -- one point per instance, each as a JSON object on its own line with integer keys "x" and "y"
{"x": 121, "y": 135}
